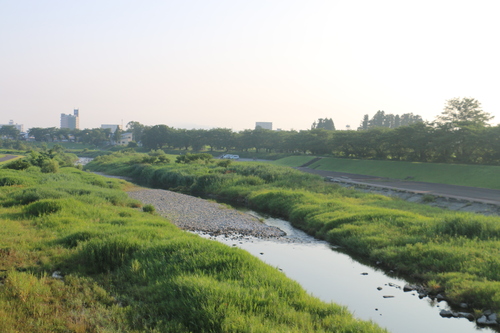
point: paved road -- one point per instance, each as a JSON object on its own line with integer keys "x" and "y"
{"x": 7, "y": 157}
{"x": 483, "y": 195}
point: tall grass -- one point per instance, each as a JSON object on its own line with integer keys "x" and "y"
{"x": 440, "y": 248}
{"x": 77, "y": 256}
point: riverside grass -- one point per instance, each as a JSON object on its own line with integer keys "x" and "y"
{"x": 444, "y": 173}
{"x": 450, "y": 252}
{"x": 125, "y": 270}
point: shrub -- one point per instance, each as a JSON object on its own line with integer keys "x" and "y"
{"x": 20, "y": 164}
{"x": 50, "y": 166}
{"x": 149, "y": 209}
{"x": 191, "y": 158}
{"x": 102, "y": 255}
{"x": 43, "y": 207}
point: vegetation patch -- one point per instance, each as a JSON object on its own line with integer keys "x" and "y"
{"x": 443, "y": 249}
{"x": 75, "y": 256}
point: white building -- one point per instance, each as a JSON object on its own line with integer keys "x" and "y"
{"x": 264, "y": 125}
{"x": 71, "y": 121}
{"x": 113, "y": 128}
{"x": 125, "y": 139}
{"x": 19, "y": 127}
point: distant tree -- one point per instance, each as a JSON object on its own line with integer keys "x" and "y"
{"x": 62, "y": 133}
{"x": 96, "y": 136}
{"x": 197, "y": 138}
{"x": 458, "y": 111}
{"x": 117, "y": 135}
{"x": 364, "y": 123}
{"x": 38, "y": 133}
{"x": 397, "y": 121}
{"x": 157, "y": 136}
{"x": 9, "y": 131}
{"x": 324, "y": 123}
{"x": 181, "y": 138}
{"x": 218, "y": 138}
{"x": 388, "y": 120}
{"x": 137, "y": 129}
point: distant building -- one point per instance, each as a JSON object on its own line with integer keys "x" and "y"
{"x": 71, "y": 121}
{"x": 264, "y": 125}
{"x": 113, "y": 128}
{"x": 18, "y": 127}
{"x": 125, "y": 139}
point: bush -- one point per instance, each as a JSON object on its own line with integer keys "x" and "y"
{"x": 149, "y": 209}
{"x": 20, "y": 164}
{"x": 102, "y": 255}
{"x": 50, "y": 166}
{"x": 43, "y": 207}
{"x": 192, "y": 158}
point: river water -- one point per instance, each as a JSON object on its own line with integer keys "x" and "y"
{"x": 335, "y": 277}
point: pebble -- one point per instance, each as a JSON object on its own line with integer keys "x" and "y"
{"x": 199, "y": 215}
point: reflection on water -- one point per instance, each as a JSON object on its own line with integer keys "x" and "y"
{"x": 335, "y": 277}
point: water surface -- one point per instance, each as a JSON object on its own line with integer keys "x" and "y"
{"x": 333, "y": 276}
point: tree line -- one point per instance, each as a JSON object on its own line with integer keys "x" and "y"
{"x": 461, "y": 134}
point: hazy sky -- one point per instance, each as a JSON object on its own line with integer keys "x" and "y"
{"x": 214, "y": 63}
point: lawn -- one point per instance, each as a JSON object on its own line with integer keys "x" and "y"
{"x": 485, "y": 176}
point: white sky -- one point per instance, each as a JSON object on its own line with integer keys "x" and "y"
{"x": 216, "y": 63}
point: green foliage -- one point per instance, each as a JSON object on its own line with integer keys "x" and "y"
{"x": 19, "y": 164}
{"x": 194, "y": 158}
{"x": 49, "y": 166}
{"x": 439, "y": 247}
{"x": 11, "y": 177}
{"x": 123, "y": 270}
{"x": 102, "y": 255}
{"x": 224, "y": 163}
{"x": 149, "y": 209}
{"x": 43, "y": 207}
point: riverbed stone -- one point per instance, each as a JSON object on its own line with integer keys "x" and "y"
{"x": 195, "y": 214}
{"x": 446, "y": 314}
{"x": 485, "y": 320}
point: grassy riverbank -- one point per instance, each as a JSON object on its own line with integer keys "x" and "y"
{"x": 455, "y": 253}
{"x": 454, "y": 174}
{"x": 78, "y": 255}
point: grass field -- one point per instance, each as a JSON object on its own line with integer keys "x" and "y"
{"x": 485, "y": 176}
{"x": 293, "y": 161}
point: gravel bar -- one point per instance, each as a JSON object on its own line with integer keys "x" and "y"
{"x": 195, "y": 214}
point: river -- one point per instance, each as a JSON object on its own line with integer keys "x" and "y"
{"x": 335, "y": 277}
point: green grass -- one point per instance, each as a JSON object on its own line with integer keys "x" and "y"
{"x": 293, "y": 161}
{"x": 125, "y": 270}
{"x": 450, "y": 252}
{"x": 455, "y": 174}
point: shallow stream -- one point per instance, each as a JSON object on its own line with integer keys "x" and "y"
{"x": 335, "y": 277}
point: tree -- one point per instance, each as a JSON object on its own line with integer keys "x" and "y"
{"x": 137, "y": 130}
{"x": 157, "y": 136}
{"x": 9, "y": 131}
{"x": 324, "y": 123}
{"x": 460, "y": 111}
{"x": 96, "y": 136}
{"x": 364, "y": 123}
